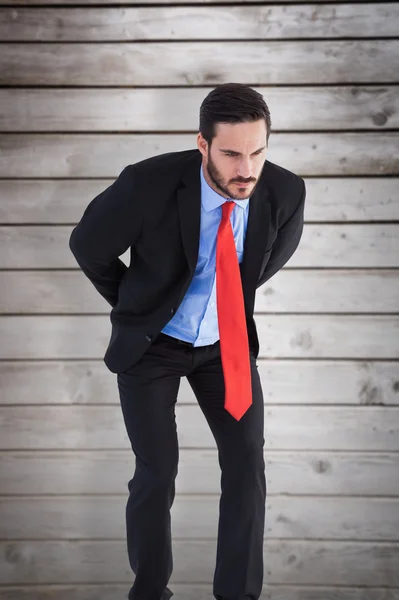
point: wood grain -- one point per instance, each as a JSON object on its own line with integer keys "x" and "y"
{"x": 141, "y": 2}
{"x": 356, "y": 563}
{"x": 105, "y": 155}
{"x": 199, "y": 63}
{"x": 280, "y": 335}
{"x": 325, "y": 245}
{"x": 290, "y": 290}
{"x": 285, "y": 381}
{"x": 286, "y": 428}
{"x": 35, "y": 201}
{"x": 176, "y": 109}
{"x": 196, "y": 517}
{"x": 317, "y": 472}
{"x": 89, "y": 86}
{"x": 191, "y": 23}
{"x": 195, "y": 592}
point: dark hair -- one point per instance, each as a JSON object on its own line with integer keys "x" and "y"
{"x": 232, "y": 103}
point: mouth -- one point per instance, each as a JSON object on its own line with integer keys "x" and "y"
{"x": 243, "y": 183}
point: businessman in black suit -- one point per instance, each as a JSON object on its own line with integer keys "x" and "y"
{"x": 167, "y": 322}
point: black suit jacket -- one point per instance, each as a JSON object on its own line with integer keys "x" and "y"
{"x": 154, "y": 209}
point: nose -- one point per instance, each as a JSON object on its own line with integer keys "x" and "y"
{"x": 244, "y": 168}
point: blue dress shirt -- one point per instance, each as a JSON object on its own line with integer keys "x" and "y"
{"x": 196, "y": 319}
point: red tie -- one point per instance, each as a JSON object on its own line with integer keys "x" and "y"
{"x": 234, "y": 347}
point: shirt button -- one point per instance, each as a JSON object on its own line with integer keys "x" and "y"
{"x": 212, "y": 304}
{"x": 148, "y": 338}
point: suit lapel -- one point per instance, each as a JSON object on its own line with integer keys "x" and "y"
{"x": 189, "y": 207}
{"x": 257, "y": 235}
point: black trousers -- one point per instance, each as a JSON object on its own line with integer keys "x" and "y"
{"x": 148, "y": 392}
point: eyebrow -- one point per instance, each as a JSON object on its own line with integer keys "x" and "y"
{"x": 239, "y": 153}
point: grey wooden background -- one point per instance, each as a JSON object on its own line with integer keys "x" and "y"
{"x": 93, "y": 86}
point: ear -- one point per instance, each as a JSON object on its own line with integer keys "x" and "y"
{"x": 202, "y": 144}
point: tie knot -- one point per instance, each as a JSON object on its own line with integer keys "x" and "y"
{"x": 227, "y": 208}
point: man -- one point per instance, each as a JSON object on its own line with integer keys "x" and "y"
{"x": 206, "y": 228}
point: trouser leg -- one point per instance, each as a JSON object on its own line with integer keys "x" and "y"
{"x": 148, "y": 393}
{"x": 239, "y": 560}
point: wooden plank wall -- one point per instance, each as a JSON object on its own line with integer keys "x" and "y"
{"x": 88, "y": 86}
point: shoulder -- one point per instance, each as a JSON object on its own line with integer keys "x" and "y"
{"x": 282, "y": 181}
{"x": 286, "y": 189}
{"x": 169, "y": 162}
{"x": 159, "y": 175}
{"x": 157, "y": 179}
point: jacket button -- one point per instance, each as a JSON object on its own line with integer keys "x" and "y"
{"x": 148, "y": 338}
{"x": 172, "y": 310}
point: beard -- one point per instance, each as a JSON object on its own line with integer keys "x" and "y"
{"x": 226, "y": 188}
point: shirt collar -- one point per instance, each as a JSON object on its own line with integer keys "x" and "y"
{"x": 211, "y": 199}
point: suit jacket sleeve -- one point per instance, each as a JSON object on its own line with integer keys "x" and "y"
{"x": 286, "y": 242}
{"x": 110, "y": 224}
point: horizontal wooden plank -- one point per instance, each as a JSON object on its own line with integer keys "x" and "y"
{"x": 195, "y": 592}
{"x": 286, "y": 428}
{"x": 325, "y": 245}
{"x": 350, "y": 199}
{"x": 293, "y": 517}
{"x": 314, "y": 517}
{"x": 140, "y": 2}
{"x": 347, "y": 245}
{"x": 105, "y": 155}
{"x": 315, "y": 291}
{"x": 61, "y": 201}
{"x": 280, "y": 336}
{"x": 325, "y": 291}
{"x": 283, "y": 592}
{"x": 176, "y": 109}
{"x": 284, "y": 382}
{"x": 288, "y": 562}
{"x": 199, "y": 63}
{"x": 322, "y": 336}
{"x": 192, "y": 23}
{"x": 42, "y": 472}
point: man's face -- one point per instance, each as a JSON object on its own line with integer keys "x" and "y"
{"x": 234, "y": 161}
